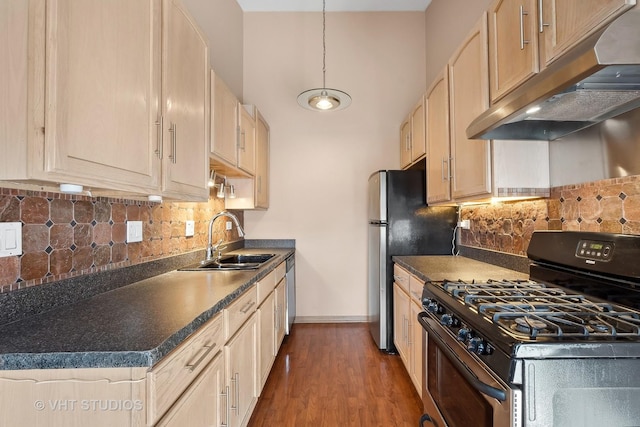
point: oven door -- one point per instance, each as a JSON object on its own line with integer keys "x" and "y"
{"x": 458, "y": 391}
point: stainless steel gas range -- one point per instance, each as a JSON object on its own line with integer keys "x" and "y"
{"x": 560, "y": 349}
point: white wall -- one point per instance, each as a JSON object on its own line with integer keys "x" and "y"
{"x": 320, "y": 162}
{"x": 221, "y": 22}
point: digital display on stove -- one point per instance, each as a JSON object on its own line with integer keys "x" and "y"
{"x": 594, "y": 250}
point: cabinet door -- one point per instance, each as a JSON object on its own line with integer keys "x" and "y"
{"x": 102, "y": 88}
{"x": 200, "y": 405}
{"x": 401, "y": 323}
{"x": 415, "y": 347}
{"x": 224, "y": 122}
{"x": 468, "y": 98}
{"x": 563, "y": 24}
{"x": 185, "y": 80}
{"x": 267, "y": 328}
{"x": 262, "y": 163}
{"x": 405, "y": 143}
{"x": 247, "y": 141}
{"x": 513, "y": 44}
{"x": 281, "y": 313}
{"x": 241, "y": 362}
{"x": 438, "y": 150}
{"x": 418, "y": 142}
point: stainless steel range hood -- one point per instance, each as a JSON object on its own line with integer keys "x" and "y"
{"x": 597, "y": 80}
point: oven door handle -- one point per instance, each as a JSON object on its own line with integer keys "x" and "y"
{"x": 483, "y": 388}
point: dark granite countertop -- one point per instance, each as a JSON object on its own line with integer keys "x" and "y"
{"x": 436, "y": 268}
{"x": 133, "y": 325}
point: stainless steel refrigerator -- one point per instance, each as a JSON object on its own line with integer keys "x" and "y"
{"x": 400, "y": 223}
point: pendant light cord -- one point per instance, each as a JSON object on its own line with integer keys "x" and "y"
{"x": 324, "y": 45}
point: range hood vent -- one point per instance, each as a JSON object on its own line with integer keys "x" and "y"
{"x": 597, "y": 80}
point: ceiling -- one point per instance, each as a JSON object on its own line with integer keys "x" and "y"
{"x": 333, "y": 5}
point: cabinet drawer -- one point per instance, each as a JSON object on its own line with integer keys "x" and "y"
{"x": 174, "y": 373}
{"x": 239, "y": 311}
{"x": 265, "y": 286}
{"x": 415, "y": 289}
{"x": 401, "y": 277}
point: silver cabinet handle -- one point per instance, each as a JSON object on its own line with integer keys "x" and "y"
{"x": 172, "y": 130}
{"x": 259, "y": 185}
{"x": 541, "y": 23}
{"x": 192, "y": 366}
{"x": 446, "y": 162}
{"x": 243, "y": 137}
{"x": 226, "y": 399}
{"x": 407, "y": 142}
{"x": 158, "y": 149}
{"x": 523, "y": 13}
{"x": 247, "y": 306}
{"x": 236, "y": 387}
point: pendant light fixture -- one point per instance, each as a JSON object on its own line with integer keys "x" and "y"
{"x": 324, "y": 99}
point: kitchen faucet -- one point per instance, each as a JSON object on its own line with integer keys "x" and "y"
{"x": 210, "y": 247}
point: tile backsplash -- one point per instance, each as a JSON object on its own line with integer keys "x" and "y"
{"x": 611, "y": 206}
{"x": 67, "y": 235}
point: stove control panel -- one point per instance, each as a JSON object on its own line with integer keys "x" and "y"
{"x": 596, "y": 250}
{"x": 463, "y": 333}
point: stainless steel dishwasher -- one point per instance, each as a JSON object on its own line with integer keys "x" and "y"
{"x": 291, "y": 292}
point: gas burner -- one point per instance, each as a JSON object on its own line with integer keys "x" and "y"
{"x": 598, "y": 328}
{"x": 528, "y": 325}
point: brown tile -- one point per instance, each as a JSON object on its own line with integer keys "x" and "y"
{"x": 34, "y": 210}
{"x": 101, "y": 255}
{"x": 61, "y": 211}
{"x": 133, "y": 213}
{"x": 83, "y": 211}
{"x": 119, "y": 252}
{"x": 102, "y": 233}
{"x": 118, "y": 212}
{"x": 34, "y": 265}
{"x": 134, "y": 252}
{"x": 82, "y": 235}
{"x": 9, "y": 209}
{"x": 9, "y": 270}
{"x": 61, "y": 236}
{"x": 61, "y": 261}
{"x": 611, "y": 208}
{"x": 119, "y": 232}
{"x": 102, "y": 211}
{"x": 83, "y": 258}
{"x": 35, "y": 238}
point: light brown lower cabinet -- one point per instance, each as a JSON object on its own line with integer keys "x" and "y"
{"x": 205, "y": 403}
{"x": 212, "y": 379}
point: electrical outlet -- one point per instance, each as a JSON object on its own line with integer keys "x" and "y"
{"x": 229, "y": 225}
{"x": 465, "y": 224}
{"x": 134, "y": 231}
{"x": 10, "y": 239}
{"x": 190, "y": 228}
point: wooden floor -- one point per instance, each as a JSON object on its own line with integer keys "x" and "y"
{"x": 334, "y": 375}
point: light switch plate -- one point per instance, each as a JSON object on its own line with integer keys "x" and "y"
{"x": 228, "y": 224}
{"x": 10, "y": 239}
{"x": 190, "y": 228}
{"x": 134, "y": 231}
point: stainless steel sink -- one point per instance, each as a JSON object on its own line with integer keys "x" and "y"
{"x": 231, "y": 262}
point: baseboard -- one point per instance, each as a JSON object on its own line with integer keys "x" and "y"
{"x": 330, "y": 319}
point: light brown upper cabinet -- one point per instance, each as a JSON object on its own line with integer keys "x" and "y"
{"x": 412, "y": 135}
{"x": 438, "y": 137}
{"x": 468, "y": 98}
{"x": 253, "y": 192}
{"x": 98, "y": 86}
{"x": 464, "y": 170}
{"x": 527, "y": 35}
{"x": 185, "y": 105}
{"x": 459, "y": 168}
{"x": 224, "y": 123}
{"x": 247, "y": 139}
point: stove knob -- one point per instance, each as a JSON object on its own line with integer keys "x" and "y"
{"x": 432, "y": 307}
{"x": 446, "y": 320}
{"x": 463, "y": 334}
{"x": 476, "y": 345}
